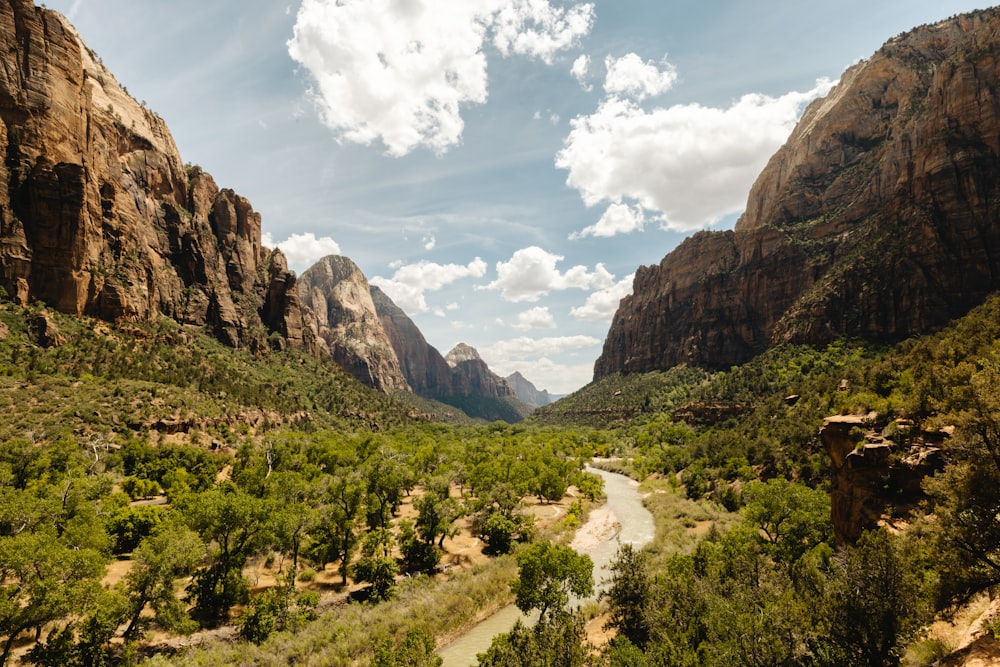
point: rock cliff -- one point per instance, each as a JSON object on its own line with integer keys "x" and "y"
{"x": 880, "y": 217}
{"x": 338, "y": 295}
{"x": 98, "y": 214}
{"x": 426, "y": 371}
{"x": 471, "y": 375}
{"x": 877, "y": 470}
{"x": 527, "y": 392}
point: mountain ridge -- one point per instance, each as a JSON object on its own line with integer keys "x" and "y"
{"x": 877, "y": 218}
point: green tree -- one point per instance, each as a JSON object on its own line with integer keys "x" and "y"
{"x": 875, "y": 602}
{"x": 377, "y": 566}
{"x": 630, "y": 595}
{"x": 334, "y": 538}
{"x": 548, "y": 574}
{"x": 557, "y": 640}
{"x": 172, "y": 551}
{"x": 236, "y": 525}
{"x": 44, "y": 578}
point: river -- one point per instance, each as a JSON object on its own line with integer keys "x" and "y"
{"x": 622, "y": 519}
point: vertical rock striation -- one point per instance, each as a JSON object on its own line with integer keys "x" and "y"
{"x": 99, "y": 216}
{"x": 880, "y": 217}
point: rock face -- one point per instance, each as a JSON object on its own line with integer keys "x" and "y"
{"x": 339, "y": 296}
{"x": 880, "y": 218}
{"x": 875, "y": 476}
{"x": 471, "y": 375}
{"x": 527, "y": 392}
{"x": 99, "y": 216}
{"x": 426, "y": 371}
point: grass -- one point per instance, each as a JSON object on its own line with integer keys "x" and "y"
{"x": 347, "y": 634}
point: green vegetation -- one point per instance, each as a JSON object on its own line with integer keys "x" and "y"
{"x": 271, "y": 493}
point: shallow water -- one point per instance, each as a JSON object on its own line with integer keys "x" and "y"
{"x": 635, "y": 528}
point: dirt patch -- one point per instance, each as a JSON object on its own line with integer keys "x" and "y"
{"x": 602, "y": 525}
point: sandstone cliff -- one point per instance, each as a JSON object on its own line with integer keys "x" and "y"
{"x": 527, "y": 392}
{"x": 339, "y": 297}
{"x": 471, "y": 375}
{"x": 426, "y": 371}
{"x": 880, "y": 217}
{"x": 98, "y": 214}
{"x": 877, "y": 470}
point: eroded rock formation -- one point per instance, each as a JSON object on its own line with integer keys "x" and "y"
{"x": 878, "y": 468}
{"x": 880, "y": 217}
{"x": 98, "y": 214}
{"x": 339, "y": 296}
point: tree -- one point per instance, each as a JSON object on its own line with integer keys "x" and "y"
{"x": 548, "y": 574}
{"x": 791, "y": 518}
{"x": 377, "y": 566}
{"x": 557, "y": 640}
{"x": 43, "y": 579}
{"x": 630, "y": 595}
{"x": 172, "y": 551}
{"x": 874, "y": 602}
{"x": 236, "y": 525}
{"x": 335, "y": 538}
{"x": 437, "y": 514}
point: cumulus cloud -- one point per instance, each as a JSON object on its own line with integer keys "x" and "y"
{"x": 535, "y": 318}
{"x": 531, "y": 273}
{"x": 690, "y": 164}
{"x": 525, "y": 347}
{"x": 400, "y": 72}
{"x": 602, "y": 304}
{"x": 579, "y": 71}
{"x": 617, "y": 219}
{"x": 409, "y": 283}
{"x": 429, "y": 242}
{"x": 630, "y": 76}
{"x": 303, "y": 250}
{"x": 532, "y": 357}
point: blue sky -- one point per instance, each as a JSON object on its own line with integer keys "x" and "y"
{"x": 499, "y": 167}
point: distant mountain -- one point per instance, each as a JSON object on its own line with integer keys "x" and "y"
{"x": 527, "y": 392}
{"x": 879, "y": 218}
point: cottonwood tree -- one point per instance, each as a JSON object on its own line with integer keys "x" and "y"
{"x": 548, "y": 574}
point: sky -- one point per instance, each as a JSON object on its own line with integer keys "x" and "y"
{"x": 500, "y": 168}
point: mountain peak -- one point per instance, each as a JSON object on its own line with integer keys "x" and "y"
{"x": 460, "y": 353}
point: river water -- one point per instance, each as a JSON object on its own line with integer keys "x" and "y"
{"x": 634, "y": 526}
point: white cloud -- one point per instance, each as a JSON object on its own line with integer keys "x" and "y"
{"x": 536, "y": 28}
{"x": 579, "y": 71}
{"x": 429, "y": 242}
{"x": 531, "y": 356}
{"x": 602, "y": 305}
{"x": 524, "y": 347}
{"x": 531, "y": 273}
{"x": 536, "y": 318}
{"x": 400, "y": 72}
{"x": 408, "y": 284}
{"x": 691, "y": 164}
{"x": 617, "y": 219}
{"x": 632, "y": 77}
{"x": 303, "y": 250}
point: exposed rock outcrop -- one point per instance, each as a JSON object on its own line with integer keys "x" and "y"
{"x": 98, "y": 214}
{"x": 880, "y": 217}
{"x": 877, "y": 470}
{"x": 339, "y": 296}
{"x": 426, "y": 371}
{"x": 471, "y": 375}
{"x": 527, "y": 392}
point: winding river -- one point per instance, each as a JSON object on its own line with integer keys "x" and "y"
{"x": 623, "y": 519}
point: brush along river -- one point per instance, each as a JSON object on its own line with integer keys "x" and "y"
{"x": 622, "y": 519}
